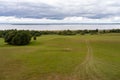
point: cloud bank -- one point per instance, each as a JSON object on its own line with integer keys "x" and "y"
{"x": 12, "y": 19}
{"x": 59, "y": 11}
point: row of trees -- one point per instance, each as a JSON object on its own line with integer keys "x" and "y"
{"x": 64, "y": 32}
{"x": 74, "y": 32}
{"x": 23, "y": 37}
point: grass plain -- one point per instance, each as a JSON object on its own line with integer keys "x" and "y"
{"x": 54, "y": 57}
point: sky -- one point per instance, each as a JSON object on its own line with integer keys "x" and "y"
{"x": 59, "y": 11}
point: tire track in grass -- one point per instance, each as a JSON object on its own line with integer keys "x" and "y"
{"x": 87, "y": 70}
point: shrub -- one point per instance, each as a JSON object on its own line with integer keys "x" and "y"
{"x": 18, "y": 37}
{"x": 34, "y": 38}
{"x": 67, "y": 32}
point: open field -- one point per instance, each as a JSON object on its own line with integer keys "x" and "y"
{"x": 54, "y": 57}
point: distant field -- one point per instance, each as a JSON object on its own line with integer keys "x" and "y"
{"x": 54, "y": 57}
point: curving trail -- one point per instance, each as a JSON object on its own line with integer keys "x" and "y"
{"x": 87, "y": 70}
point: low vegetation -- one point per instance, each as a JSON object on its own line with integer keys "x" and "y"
{"x": 15, "y": 37}
{"x": 23, "y": 37}
{"x": 64, "y": 32}
{"x": 59, "y": 57}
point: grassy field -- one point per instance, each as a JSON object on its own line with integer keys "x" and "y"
{"x": 54, "y": 57}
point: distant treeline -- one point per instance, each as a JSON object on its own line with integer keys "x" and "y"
{"x": 64, "y": 32}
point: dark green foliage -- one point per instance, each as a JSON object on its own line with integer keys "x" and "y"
{"x": 92, "y": 32}
{"x": 67, "y": 32}
{"x": 3, "y": 34}
{"x": 34, "y": 38}
{"x": 78, "y": 31}
{"x": 48, "y": 32}
{"x": 35, "y": 33}
{"x": 83, "y": 33}
{"x": 17, "y": 37}
{"x": 9, "y": 36}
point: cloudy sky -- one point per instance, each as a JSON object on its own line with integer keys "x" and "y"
{"x": 59, "y": 11}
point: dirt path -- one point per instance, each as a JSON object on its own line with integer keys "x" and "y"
{"x": 87, "y": 70}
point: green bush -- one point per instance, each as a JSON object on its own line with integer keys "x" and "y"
{"x": 67, "y": 32}
{"x": 18, "y": 37}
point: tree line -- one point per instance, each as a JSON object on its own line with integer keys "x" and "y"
{"x": 23, "y": 37}
{"x": 62, "y": 32}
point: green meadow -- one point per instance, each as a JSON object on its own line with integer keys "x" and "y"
{"x": 57, "y": 57}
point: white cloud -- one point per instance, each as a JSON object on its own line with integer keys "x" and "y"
{"x": 4, "y": 19}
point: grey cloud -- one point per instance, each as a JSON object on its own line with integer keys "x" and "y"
{"x": 29, "y": 10}
{"x": 40, "y": 10}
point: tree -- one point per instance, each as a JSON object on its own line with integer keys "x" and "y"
{"x": 34, "y": 38}
{"x": 18, "y": 37}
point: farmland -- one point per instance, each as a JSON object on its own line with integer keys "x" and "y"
{"x": 58, "y": 57}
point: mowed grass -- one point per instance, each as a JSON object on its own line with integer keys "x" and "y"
{"x": 54, "y": 57}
